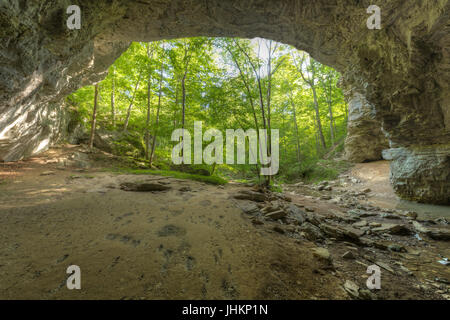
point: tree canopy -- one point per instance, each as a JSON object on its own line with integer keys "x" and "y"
{"x": 155, "y": 88}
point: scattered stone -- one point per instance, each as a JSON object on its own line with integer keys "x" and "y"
{"x": 361, "y": 213}
{"x": 296, "y": 213}
{"x": 284, "y": 197}
{"x": 322, "y": 254}
{"x": 406, "y": 270}
{"x": 442, "y": 280}
{"x": 391, "y": 228}
{"x": 352, "y": 289}
{"x": 360, "y": 224}
{"x": 257, "y": 221}
{"x": 439, "y": 234}
{"x": 411, "y": 214}
{"x": 47, "y": 173}
{"x": 366, "y": 294}
{"x": 291, "y": 228}
{"x": 382, "y": 245}
{"x": 348, "y": 255}
{"x": 441, "y": 220}
{"x": 311, "y": 232}
{"x": 419, "y": 227}
{"x": 374, "y": 224}
{"x": 309, "y": 209}
{"x": 367, "y": 190}
{"x": 143, "y": 186}
{"x": 249, "y": 208}
{"x": 396, "y": 248}
{"x": 390, "y": 216}
{"x": 414, "y": 252}
{"x": 340, "y": 232}
{"x": 385, "y": 266}
{"x": 279, "y": 214}
{"x": 250, "y": 195}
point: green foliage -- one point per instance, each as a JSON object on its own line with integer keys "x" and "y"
{"x": 315, "y": 170}
{"x": 227, "y": 85}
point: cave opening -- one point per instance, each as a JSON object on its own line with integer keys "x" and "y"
{"x": 110, "y": 204}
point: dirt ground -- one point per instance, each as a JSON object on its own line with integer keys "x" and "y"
{"x": 190, "y": 242}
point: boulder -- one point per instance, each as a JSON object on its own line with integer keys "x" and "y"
{"x": 249, "y": 208}
{"x": 392, "y": 228}
{"x": 275, "y": 215}
{"x": 352, "y": 289}
{"x": 143, "y": 186}
{"x": 311, "y": 232}
{"x": 296, "y": 213}
{"x": 439, "y": 234}
{"x": 250, "y": 195}
{"x": 322, "y": 254}
{"x": 342, "y": 232}
{"x": 421, "y": 173}
{"x": 348, "y": 255}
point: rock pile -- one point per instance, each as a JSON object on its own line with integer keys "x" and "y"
{"x": 380, "y": 232}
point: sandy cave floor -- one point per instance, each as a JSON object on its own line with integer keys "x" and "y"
{"x": 195, "y": 244}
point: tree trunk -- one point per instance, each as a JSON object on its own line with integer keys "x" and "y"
{"x": 94, "y": 118}
{"x": 127, "y": 120}
{"x": 330, "y": 111}
{"x": 183, "y": 99}
{"x": 147, "y": 124}
{"x": 113, "y": 107}
{"x": 331, "y": 123}
{"x": 319, "y": 123}
{"x": 157, "y": 114}
{"x": 176, "y": 107}
{"x": 252, "y": 104}
{"x": 316, "y": 136}
{"x": 297, "y": 139}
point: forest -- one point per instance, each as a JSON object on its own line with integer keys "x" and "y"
{"x": 227, "y": 83}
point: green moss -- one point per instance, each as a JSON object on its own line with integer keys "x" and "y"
{"x": 276, "y": 188}
{"x": 315, "y": 171}
{"x": 215, "y": 180}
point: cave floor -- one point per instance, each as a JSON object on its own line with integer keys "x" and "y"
{"x": 190, "y": 242}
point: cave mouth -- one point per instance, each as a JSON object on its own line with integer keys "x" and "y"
{"x": 154, "y": 88}
{"x": 187, "y": 235}
{"x": 393, "y": 70}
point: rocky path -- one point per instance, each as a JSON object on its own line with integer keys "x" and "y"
{"x": 139, "y": 237}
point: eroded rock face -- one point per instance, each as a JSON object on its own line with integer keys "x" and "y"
{"x": 365, "y": 139}
{"x": 421, "y": 172}
{"x": 402, "y": 69}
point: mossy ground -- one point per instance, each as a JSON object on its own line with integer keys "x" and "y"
{"x": 214, "y": 180}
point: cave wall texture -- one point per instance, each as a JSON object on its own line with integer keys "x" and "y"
{"x": 400, "y": 74}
